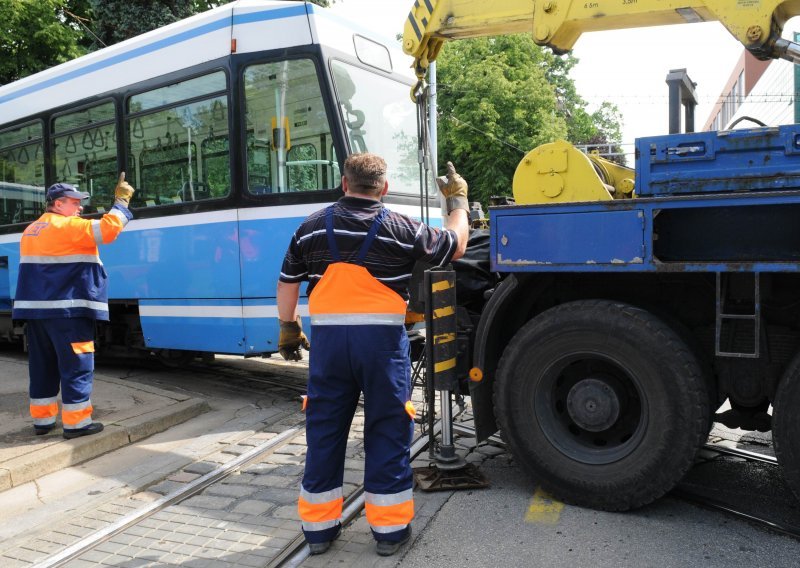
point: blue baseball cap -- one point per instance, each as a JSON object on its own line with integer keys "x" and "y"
{"x": 59, "y": 190}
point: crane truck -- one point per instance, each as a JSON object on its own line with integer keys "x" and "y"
{"x": 629, "y": 305}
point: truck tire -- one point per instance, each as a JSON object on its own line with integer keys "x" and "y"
{"x": 786, "y": 427}
{"x": 602, "y": 404}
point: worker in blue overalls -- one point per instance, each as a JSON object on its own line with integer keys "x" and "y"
{"x": 62, "y": 289}
{"x": 357, "y": 257}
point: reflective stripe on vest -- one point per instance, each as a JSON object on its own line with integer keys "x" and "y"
{"x": 59, "y": 304}
{"x": 68, "y": 259}
{"x": 347, "y": 294}
{"x": 358, "y": 319}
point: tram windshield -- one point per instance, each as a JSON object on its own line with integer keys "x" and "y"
{"x": 288, "y": 134}
{"x": 380, "y": 118}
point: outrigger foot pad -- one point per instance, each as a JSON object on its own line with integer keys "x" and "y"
{"x": 434, "y": 479}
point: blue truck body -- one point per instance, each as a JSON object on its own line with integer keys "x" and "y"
{"x": 708, "y": 202}
{"x": 618, "y": 332}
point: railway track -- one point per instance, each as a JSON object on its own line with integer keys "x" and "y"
{"x": 88, "y": 543}
{"x": 291, "y": 549}
{"x": 136, "y": 525}
{"x": 705, "y": 500}
{"x": 292, "y": 554}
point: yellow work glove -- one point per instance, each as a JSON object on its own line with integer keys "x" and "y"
{"x": 123, "y": 192}
{"x": 292, "y": 339}
{"x": 454, "y": 189}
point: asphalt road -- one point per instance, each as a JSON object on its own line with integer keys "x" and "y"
{"x": 509, "y": 525}
{"x": 512, "y": 523}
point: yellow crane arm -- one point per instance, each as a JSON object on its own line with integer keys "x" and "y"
{"x": 757, "y": 24}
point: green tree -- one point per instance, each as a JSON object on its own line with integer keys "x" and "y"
{"x": 501, "y": 97}
{"x": 495, "y": 104}
{"x": 39, "y": 34}
{"x": 118, "y": 20}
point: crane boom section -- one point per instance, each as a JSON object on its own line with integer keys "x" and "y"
{"x": 757, "y": 24}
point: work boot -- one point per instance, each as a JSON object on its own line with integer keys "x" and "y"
{"x": 42, "y": 430}
{"x": 322, "y": 547}
{"x": 389, "y": 547}
{"x": 92, "y": 428}
{"x": 319, "y": 547}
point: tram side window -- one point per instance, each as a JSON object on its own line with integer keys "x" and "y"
{"x": 21, "y": 173}
{"x": 180, "y": 135}
{"x": 85, "y": 153}
{"x": 288, "y": 129}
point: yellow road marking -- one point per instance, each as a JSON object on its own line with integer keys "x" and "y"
{"x": 543, "y": 509}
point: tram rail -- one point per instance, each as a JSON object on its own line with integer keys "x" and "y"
{"x": 711, "y": 503}
{"x": 192, "y": 488}
{"x": 706, "y": 501}
{"x": 297, "y": 551}
{"x": 293, "y": 554}
{"x": 739, "y": 453}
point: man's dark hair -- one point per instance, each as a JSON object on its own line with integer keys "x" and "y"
{"x": 365, "y": 173}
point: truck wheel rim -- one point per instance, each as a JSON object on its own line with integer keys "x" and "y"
{"x": 591, "y": 409}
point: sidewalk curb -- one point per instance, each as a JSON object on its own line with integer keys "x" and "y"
{"x": 66, "y": 453}
{"x": 141, "y": 427}
{"x": 5, "y": 479}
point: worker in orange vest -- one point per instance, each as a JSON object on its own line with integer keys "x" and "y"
{"x": 62, "y": 288}
{"x": 357, "y": 256}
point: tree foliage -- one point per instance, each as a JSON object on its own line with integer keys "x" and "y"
{"x": 38, "y": 34}
{"x": 501, "y": 97}
{"x": 118, "y": 20}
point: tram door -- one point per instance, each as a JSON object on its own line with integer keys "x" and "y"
{"x": 289, "y": 151}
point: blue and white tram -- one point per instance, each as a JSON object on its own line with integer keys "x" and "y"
{"x": 232, "y": 126}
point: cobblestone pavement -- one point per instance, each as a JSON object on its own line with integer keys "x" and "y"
{"x": 246, "y": 519}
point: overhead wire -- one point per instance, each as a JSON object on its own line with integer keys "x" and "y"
{"x": 460, "y": 122}
{"x": 80, "y": 22}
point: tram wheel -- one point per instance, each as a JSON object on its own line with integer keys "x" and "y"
{"x": 786, "y": 427}
{"x": 176, "y": 358}
{"x": 602, "y": 404}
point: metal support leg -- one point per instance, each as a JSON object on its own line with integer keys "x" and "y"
{"x": 446, "y": 457}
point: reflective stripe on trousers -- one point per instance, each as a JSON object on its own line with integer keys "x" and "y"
{"x": 320, "y": 511}
{"x": 61, "y": 359}
{"x": 390, "y": 513}
{"x": 44, "y": 411}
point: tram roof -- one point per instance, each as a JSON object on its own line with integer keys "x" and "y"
{"x": 255, "y": 25}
